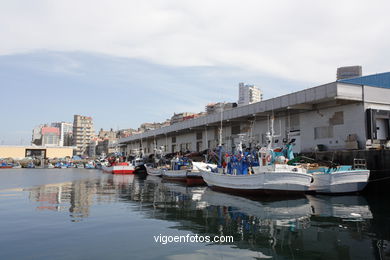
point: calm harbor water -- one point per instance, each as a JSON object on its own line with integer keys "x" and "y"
{"x": 85, "y": 214}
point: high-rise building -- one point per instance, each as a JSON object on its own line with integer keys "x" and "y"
{"x": 50, "y": 136}
{"x": 248, "y": 94}
{"x": 66, "y": 133}
{"x": 83, "y": 132}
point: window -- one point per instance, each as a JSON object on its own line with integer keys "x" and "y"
{"x": 199, "y": 136}
{"x": 323, "y": 132}
{"x": 173, "y": 139}
{"x": 337, "y": 118}
{"x": 236, "y": 129}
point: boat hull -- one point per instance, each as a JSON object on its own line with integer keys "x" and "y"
{"x": 195, "y": 178}
{"x": 340, "y": 181}
{"x": 266, "y": 182}
{"x": 119, "y": 169}
{"x": 153, "y": 171}
{"x": 175, "y": 175}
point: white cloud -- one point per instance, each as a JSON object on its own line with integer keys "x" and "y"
{"x": 299, "y": 40}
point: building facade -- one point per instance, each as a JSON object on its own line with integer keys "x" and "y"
{"x": 37, "y": 135}
{"x": 83, "y": 133}
{"x": 248, "y": 94}
{"x": 50, "y": 136}
{"x": 219, "y": 107}
{"x": 66, "y": 133}
{"x": 345, "y": 114}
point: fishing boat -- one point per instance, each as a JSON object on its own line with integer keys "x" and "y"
{"x": 119, "y": 168}
{"x": 80, "y": 165}
{"x": 30, "y": 165}
{"x": 138, "y": 163}
{"x": 50, "y": 166}
{"x": 265, "y": 171}
{"x": 274, "y": 179}
{"x": 340, "y": 179}
{"x": 90, "y": 165}
{"x": 5, "y": 165}
{"x": 16, "y": 165}
{"x": 155, "y": 171}
{"x": 178, "y": 170}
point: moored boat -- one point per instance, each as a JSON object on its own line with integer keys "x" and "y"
{"x": 264, "y": 180}
{"x": 175, "y": 175}
{"x": 16, "y": 165}
{"x": 194, "y": 178}
{"x": 119, "y": 168}
{"x": 153, "y": 171}
{"x": 178, "y": 170}
{"x": 5, "y": 165}
{"x": 341, "y": 179}
{"x": 264, "y": 171}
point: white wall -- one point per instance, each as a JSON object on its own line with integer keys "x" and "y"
{"x": 353, "y": 123}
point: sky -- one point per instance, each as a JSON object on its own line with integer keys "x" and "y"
{"x": 128, "y": 62}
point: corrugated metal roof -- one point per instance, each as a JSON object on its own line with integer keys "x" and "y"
{"x": 381, "y": 80}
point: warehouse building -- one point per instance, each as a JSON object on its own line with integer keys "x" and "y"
{"x": 350, "y": 113}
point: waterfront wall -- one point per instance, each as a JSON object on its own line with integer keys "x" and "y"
{"x": 19, "y": 152}
{"x": 12, "y": 152}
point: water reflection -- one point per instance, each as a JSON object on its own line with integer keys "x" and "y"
{"x": 321, "y": 227}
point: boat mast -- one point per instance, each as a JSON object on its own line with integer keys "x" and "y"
{"x": 220, "y": 129}
{"x": 220, "y": 139}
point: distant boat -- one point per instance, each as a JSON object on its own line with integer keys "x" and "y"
{"x": 119, "y": 168}
{"x": 5, "y": 165}
{"x": 90, "y": 165}
{"x": 17, "y": 165}
{"x": 30, "y": 165}
{"x": 178, "y": 170}
{"x": 80, "y": 165}
{"x": 153, "y": 171}
{"x": 50, "y": 166}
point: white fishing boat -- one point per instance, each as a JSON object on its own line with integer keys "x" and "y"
{"x": 342, "y": 179}
{"x": 119, "y": 168}
{"x": 264, "y": 180}
{"x": 265, "y": 173}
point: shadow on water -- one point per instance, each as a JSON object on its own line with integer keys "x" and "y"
{"x": 304, "y": 227}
